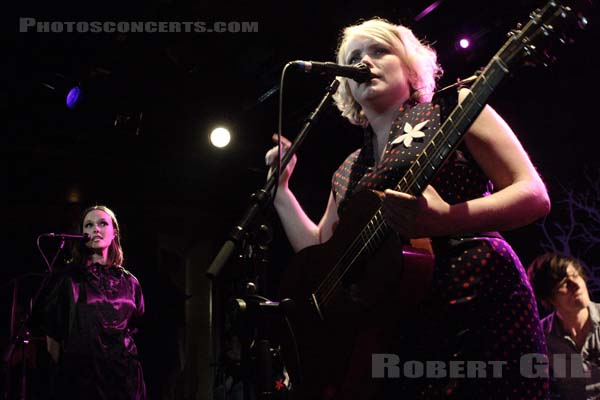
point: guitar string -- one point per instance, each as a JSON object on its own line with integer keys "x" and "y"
{"x": 327, "y": 296}
{"x": 380, "y": 224}
{"x": 378, "y": 227}
{"x": 354, "y": 250}
{"x": 330, "y": 287}
{"x": 330, "y": 276}
{"x": 351, "y": 248}
{"x": 437, "y": 151}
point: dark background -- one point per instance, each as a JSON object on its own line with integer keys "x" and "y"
{"x": 160, "y": 174}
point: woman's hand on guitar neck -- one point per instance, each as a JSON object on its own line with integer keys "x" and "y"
{"x": 271, "y": 157}
{"x": 412, "y": 217}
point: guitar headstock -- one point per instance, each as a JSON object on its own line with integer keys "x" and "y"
{"x": 548, "y": 27}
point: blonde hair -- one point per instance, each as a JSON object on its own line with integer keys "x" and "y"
{"x": 419, "y": 59}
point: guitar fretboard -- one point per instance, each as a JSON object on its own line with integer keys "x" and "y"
{"x": 541, "y": 29}
{"x": 421, "y": 172}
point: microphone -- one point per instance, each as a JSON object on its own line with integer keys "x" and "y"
{"x": 68, "y": 236}
{"x": 255, "y": 303}
{"x": 358, "y": 72}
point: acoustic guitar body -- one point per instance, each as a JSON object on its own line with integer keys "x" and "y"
{"x": 340, "y": 320}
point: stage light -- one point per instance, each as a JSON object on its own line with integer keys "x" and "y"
{"x": 428, "y": 10}
{"x": 220, "y": 137}
{"x": 74, "y": 194}
{"x": 73, "y": 97}
{"x": 464, "y": 43}
{"x": 63, "y": 89}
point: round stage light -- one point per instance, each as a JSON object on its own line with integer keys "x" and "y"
{"x": 220, "y": 137}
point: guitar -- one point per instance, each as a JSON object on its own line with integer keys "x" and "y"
{"x": 343, "y": 305}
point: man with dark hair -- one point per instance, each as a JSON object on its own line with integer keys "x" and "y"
{"x": 572, "y": 329}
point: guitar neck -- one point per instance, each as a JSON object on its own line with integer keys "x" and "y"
{"x": 452, "y": 131}
{"x": 542, "y": 30}
{"x": 441, "y": 146}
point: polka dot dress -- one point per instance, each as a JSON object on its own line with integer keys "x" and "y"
{"x": 482, "y": 307}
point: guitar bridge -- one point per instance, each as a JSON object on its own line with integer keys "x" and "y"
{"x": 313, "y": 300}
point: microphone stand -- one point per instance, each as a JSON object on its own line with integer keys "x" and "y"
{"x": 254, "y": 336}
{"x": 260, "y": 200}
{"x": 22, "y": 334}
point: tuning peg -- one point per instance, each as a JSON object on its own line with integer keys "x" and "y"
{"x": 582, "y": 21}
{"x": 514, "y": 32}
{"x": 547, "y": 29}
{"x": 535, "y": 14}
{"x": 529, "y": 49}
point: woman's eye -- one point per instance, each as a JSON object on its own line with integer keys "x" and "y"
{"x": 381, "y": 50}
{"x": 87, "y": 225}
{"x": 353, "y": 60}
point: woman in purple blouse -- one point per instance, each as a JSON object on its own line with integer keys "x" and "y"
{"x": 88, "y": 313}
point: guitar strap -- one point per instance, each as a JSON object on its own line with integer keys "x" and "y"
{"x": 364, "y": 161}
{"x": 365, "y": 157}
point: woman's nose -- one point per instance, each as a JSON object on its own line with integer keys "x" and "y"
{"x": 366, "y": 59}
{"x": 573, "y": 285}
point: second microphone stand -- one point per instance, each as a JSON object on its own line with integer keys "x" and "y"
{"x": 261, "y": 200}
